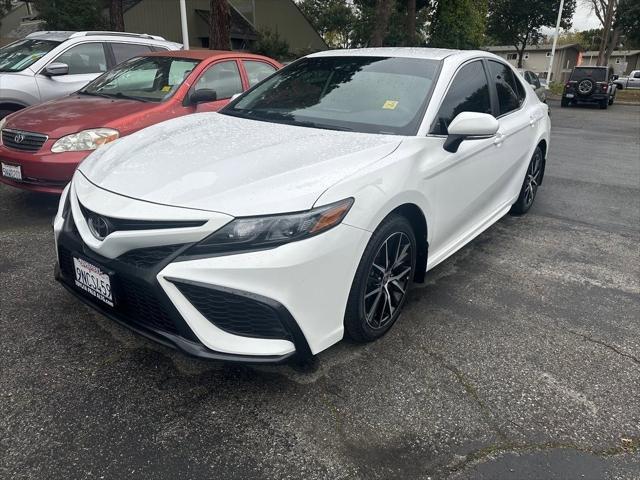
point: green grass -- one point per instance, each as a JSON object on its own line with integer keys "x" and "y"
{"x": 556, "y": 88}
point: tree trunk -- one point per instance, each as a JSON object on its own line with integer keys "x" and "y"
{"x": 615, "y": 36}
{"x": 116, "y": 16}
{"x": 219, "y": 25}
{"x": 411, "y": 23}
{"x": 606, "y": 31}
{"x": 383, "y": 13}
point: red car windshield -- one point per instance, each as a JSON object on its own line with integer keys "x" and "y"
{"x": 147, "y": 79}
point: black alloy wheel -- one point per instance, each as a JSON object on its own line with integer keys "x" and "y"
{"x": 532, "y": 181}
{"x": 383, "y": 277}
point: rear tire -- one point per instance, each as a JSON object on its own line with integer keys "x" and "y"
{"x": 612, "y": 98}
{"x": 532, "y": 180}
{"x": 382, "y": 280}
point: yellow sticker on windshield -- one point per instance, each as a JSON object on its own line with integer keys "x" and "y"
{"x": 166, "y": 88}
{"x": 390, "y": 105}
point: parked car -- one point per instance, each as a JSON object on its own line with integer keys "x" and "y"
{"x": 306, "y": 207}
{"x": 48, "y": 65}
{"x": 533, "y": 80}
{"x": 632, "y": 81}
{"x": 41, "y": 146}
{"x": 590, "y": 85}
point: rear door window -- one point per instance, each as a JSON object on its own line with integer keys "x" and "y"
{"x": 85, "y": 58}
{"x": 510, "y": 91}
{"x": 125, "y": 51}
{"x": 469, "y": 92}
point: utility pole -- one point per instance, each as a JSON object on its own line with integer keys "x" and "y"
{"x": 185, "y": 28}
{"x": 555, "y": 42}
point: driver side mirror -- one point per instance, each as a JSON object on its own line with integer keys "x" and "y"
{"x": 56, "y": 69}
{"x": 614, "y": 77}
{"x": 203, "y": 95}
{"x": 469, "y": 126}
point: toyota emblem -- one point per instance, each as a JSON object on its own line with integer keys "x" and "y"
{"x": 19, "y": 138}
{"x": 99, "y": 226}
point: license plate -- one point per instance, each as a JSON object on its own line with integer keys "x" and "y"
{"x": 569, "y": 95}
{"x": 93, "y": 280}
{"x": 11, "y": 171}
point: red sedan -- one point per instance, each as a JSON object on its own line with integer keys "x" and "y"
{"x": 41, "y": 146}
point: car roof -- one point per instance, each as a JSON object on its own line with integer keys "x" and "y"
{"x": 204, "y": 54}
{"x": 405, "y": 52}
{"x": 59, "y": 36}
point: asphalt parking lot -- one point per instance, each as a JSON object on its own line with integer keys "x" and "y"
{"x": 518, "y": 358}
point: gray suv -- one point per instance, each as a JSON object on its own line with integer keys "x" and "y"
{"x": 48, "y": 65}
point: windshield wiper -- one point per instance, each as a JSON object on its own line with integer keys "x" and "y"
{"x": 94, "y": 94}
{"x": 277, "y": 117}
{"x": 323, "y": 126}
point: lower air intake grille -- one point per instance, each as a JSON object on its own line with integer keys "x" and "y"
{"x": 235, "y": 314}
{"x": 135, "y": 302}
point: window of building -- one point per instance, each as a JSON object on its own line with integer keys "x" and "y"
{"x": 468, "y": 93}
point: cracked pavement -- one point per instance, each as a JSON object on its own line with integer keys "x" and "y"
{"x": 517, "y": 359}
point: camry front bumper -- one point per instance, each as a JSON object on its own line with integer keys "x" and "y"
{"x": 260, "y": 306}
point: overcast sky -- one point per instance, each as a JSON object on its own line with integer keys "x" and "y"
{"x": 584, "y": 18}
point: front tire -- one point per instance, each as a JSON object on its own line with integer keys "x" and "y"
{"x": 530, "y": 185}
{"x": 383, "y": 277}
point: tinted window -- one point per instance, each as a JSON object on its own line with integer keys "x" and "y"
{"x": 125, "y": 51}
{"x": 469, "y": 92}
{"x": 510, "y": 91}
{"x": 596, "y": 74}
{"x": 365, "y": 94}
{"x": 84, "y": 58}
{"x": 20, "y": 55}
{"x": 223, "y": 77}
{"x": 257, "y": 71}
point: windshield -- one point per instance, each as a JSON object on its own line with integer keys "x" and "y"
{"x": 20, "y": 55}
{"x": 596, "y": 74}
{"x": 364, "y": 94}
{"x": 147, "y": 79}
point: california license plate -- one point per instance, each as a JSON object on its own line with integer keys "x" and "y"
{"x": 12, "y": 171}
{"x": 93, "y": 280}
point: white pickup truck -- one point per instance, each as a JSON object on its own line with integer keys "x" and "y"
{"x": 632, "y": 81}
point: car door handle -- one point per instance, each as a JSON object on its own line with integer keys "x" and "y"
{"x": 499, "y": 138}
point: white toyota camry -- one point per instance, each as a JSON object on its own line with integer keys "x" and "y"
{"x": 305, "y": 209}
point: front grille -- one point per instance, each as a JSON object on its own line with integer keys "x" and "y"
{"x": 23, "y": 141}
{"x": 135, "y": 301}
{"x": 236, "y": 314}
{"x": 148, "y": 257}
{"x": 118, "y": 224}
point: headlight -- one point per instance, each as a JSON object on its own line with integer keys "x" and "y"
{"x": 255, "y": 233}
{"x": 2, "y": 122}
{"x": 85, "y": 140}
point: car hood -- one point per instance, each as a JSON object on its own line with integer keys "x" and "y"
{"x": 236, "y": 166}
{"x": 67, "y": 115}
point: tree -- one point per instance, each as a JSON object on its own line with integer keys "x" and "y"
{"x": 271, "y": 45}
{"x": 71, "y": 14}
{"x": 518, "y": 23}
{"x": 219, "y": 25}
{"x": 628, "y": 20}
{"x": 381, "y": 22}
{"x": 333, "y": 20}
{"x": 458, "y": 24}
{"x": 116, "y": 15}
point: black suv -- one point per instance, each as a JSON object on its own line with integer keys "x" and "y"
{"x": 590, "y": 85}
